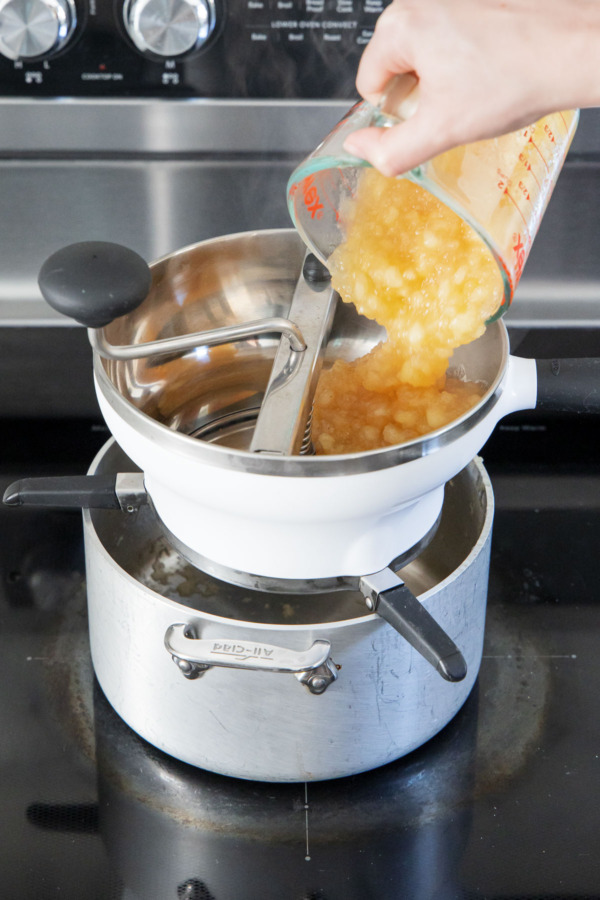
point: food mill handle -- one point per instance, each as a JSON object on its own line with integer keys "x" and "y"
{"x": 519, "y": 390}
{"x": 94, "y": 282}
{"x": 568, "y": 385}
{"x": 194, "y": 656}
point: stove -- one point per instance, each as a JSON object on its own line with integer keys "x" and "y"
{"x": 501, "y": 804}
{"x": 105, "y": 138}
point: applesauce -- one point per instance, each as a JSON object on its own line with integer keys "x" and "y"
{"x": 413, "y": 265}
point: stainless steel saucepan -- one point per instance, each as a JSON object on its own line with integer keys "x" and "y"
{"x": 279, "y": 687}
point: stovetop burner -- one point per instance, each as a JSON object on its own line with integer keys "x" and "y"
{"x": 500, "y": 804}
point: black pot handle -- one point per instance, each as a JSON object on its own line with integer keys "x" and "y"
{"x": 94, "y": 282}
{"x": 568, "y": 385}
{"x": 123, "y": 491}
{"x": 388, "y": 596}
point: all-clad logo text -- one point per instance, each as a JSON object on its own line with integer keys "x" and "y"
{"x": 241, "y": 651}
{"x": 312, "y": 201}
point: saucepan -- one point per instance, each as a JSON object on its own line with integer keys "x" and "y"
{"x": 280, "y": 687}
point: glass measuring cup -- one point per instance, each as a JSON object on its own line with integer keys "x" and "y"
{"x": 500, "y": 187}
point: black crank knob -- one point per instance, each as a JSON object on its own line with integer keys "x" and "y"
{"x": 94, "y": 282}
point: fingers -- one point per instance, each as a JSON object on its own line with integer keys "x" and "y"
{"x": 398, "y": 149}
{"x": 384, "y": 56}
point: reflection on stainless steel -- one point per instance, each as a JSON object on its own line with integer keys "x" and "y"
{"x": 174, "y": 127}
{"x": 153, "y": 206}
{"x": 199, "y": 292}
{"x": 168, "y": 29}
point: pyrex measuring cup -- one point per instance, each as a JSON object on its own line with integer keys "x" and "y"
{"x": 500, "y": 187}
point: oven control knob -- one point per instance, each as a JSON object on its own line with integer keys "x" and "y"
{"x": 169, "y": 28}
{"x": 32, "y": 29}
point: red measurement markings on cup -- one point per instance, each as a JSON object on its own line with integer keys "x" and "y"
{"x": 505, "y": 184}
{"x": 528, "y": 135}
{"x": 549, "y": 133}
{"x": 527, "y": 165}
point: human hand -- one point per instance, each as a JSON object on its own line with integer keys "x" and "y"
{"x": 484, "y": 68}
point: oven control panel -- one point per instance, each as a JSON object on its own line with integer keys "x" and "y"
{"x": 301, "y": 49}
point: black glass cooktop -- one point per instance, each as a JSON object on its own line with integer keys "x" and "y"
{"x": 503, "y": 803}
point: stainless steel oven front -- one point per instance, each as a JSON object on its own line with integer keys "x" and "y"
{"x": 157, "y": 125}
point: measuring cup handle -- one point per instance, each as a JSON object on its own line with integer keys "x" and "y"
{"x": 400, "y": 98}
